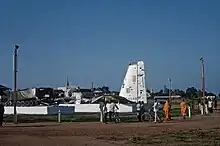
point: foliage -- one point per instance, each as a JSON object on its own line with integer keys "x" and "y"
{"x": 189, "y": 93}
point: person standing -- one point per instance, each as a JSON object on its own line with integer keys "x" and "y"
{"x": 105, "y": 111}
{"x": 115, "y": 107}
{"x": 183, "y": 107}
{"x": 206, "y": 106}
{"x": 215, "y": 103}
{"x": 142, "y": 111}
{"x": 166, "y": 109}
{"x": 108, "y": 109}
{"x": 210, "y": 105}
{"x": 115, "y": 111}
{"x": 111, "y": 110}
{"x": 201, "y": 105}
{"x": 170, "y": 109}
{"x": 156, "y": 109}
{"x": 138, "y": 108}
{"x": 2, "y": 110}
{"x": 101, "y": 107}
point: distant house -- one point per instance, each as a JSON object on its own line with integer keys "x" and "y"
{"x": 86, "y": 93}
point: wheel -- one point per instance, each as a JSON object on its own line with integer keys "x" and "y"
{"x": 116, "y": 118}
{"x": 161, "y": 117}
{"x": 27, "y": 103}
{"x": 18, "y": 103}
{"x": 31, "y": 103}
{"x": 22, "y": 103}
{"x": 146, "y": 117}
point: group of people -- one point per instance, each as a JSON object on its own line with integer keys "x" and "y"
{"x": 207, "y": 105}
{"x": 167, "y": 109}
{"x": 107, "y": 110}
{"x": 140, "y": 110}
{"x": 156, "y": 108}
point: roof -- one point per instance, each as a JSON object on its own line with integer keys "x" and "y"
{"x": 112, "y": 97}
{"x": 4, "y": 87}
{"x": 164, "y": 97}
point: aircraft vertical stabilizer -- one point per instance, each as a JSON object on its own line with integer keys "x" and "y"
{"x": 133, "y": 87}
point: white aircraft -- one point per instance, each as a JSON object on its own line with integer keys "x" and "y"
{"x": 133, "y": 87}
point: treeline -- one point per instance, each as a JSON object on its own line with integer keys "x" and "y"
{"x": 190, "y": 92}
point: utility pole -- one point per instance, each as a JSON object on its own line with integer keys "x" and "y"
{"x": 169, "y": 80}
{"x": 15, "y": 83}
{"x": 203, "y": 77}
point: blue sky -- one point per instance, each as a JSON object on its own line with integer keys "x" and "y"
{"x": 95, "y": 40}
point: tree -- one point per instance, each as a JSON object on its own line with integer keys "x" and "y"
{"x": 179, "y": 92}
{"x": 210, "y": 94}
{"x": 199, "y": 93}
{"x": 191, "y": 93}
{"x": 165, "y": 90}
{"x": 105, "y": 89}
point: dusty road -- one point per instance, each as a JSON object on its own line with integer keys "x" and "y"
{"x": 175, "y": 132}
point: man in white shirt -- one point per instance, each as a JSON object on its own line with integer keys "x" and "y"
{"x": 112, "y": 107}
{"x": 115, "y": 107}
{"x": 210, "y": 105}
{"x": 201, "y": 106}
{"x": 108, "y": 109}
{"x": 101, "y": 107}
{"x": 156, "y": 109}
{"x": 105, "y": 111}
{"x": 206, "y": 105}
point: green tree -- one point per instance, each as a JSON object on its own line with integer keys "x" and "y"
{"x": 191, "y": 93}
{"x": 210, "y": 94}
{"x": 179, "y": 92}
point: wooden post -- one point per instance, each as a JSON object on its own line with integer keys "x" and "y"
{"x": 59, "y": 116}
{"x": 189, "y": 112}
{"x": 15, "y": 84}
{"x": 203, "y": 77}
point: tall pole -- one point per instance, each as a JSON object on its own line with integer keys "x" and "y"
{"x": 169, "y": 88}
{"x": 203, "y": 77}
{"x": 15, "y": 83}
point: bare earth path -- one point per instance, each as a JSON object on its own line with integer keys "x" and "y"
{"x": 177, "y": 132}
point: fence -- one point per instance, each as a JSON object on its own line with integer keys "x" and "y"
{"x": 64, "y": 109}
{"x": 77, "y": 112}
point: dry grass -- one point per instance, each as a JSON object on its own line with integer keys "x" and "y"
{"x": 197, "y": 131}
{"x": 196, "y": 137}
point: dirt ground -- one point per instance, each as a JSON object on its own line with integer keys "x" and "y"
{"x": 200, "y": 130}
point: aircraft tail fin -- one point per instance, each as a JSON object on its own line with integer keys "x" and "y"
{"x": 133, "y": 87}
